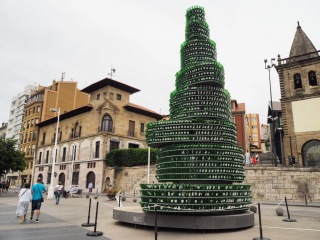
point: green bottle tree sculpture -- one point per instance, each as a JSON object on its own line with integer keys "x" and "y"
{"x": 199, "y": 165}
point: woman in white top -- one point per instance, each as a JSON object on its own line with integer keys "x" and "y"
{"x": 25, "y": 197}
{"x": 58, "y": 192}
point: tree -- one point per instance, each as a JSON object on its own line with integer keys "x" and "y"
{"x": 130, "y": 157}
{"x": 10, "y": 158}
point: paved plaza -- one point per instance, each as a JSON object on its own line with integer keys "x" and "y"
{"x": 64, "y": 221}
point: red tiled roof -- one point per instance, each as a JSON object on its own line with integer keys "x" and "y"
{"x": 142, "y": 110}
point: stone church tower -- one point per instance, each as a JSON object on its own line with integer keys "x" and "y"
{"x": 299, "y": 77}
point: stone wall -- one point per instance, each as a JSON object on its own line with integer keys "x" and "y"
{"x": 267, "y": 183}
{"x": 273, "y": 184}
{"x": 128, "y": 179}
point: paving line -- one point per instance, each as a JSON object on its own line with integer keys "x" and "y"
{"x": 305, "y": 210}
{"x": 39, "y": 225}
{"x": 104, "y": 203}
{"x": 299, "y": 229}
{"x": 299, "y": 209}
{"x": 6, "y": 213}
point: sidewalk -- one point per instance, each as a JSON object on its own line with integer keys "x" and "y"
{"x": 64, "y": 221}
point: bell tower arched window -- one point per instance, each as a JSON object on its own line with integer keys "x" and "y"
{"x": 297, "y": 81}
{"x": 106, "y": 124}
{"x": 312, "y": 78}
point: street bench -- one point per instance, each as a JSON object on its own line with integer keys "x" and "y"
{"x": 78, "y": 193}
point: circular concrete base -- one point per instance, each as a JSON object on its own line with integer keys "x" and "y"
{"x": 135, "y": 215}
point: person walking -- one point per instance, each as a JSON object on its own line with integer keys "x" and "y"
{"x": 25, "y": 197}
{"x": 248, "y": 161}
{"x": 58, "y": 192}
{"x": 7, "y": 186}
{"x": 37, "y": 189}
{"x": 257, "y": 158}
{"x": 90, "y": 186}
{"x": 18, "y": 188}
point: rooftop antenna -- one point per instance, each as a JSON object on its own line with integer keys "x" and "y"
{"x": 62, "y": 76}
{"x": 113, "y": 70}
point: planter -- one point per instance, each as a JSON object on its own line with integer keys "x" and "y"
{"x": 111, "y": 196}
{"x": 87, "y": 196}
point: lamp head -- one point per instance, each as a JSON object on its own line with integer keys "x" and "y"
{"x": 271, "y": 118}
{"x": 54, "y": 110}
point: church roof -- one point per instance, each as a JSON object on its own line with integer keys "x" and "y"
{"x": 276, "y": 105}
{"x": 302, "y": 45}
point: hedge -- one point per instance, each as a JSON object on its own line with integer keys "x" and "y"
{"x": 130, "y": 157}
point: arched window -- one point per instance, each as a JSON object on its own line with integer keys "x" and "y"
{"x": 107, "y": 183}
{"x": 311, "y": 153}
{"x": 77, "y": 130}
{"x": 62, "y": 178}
{"x": 106, "y": 124}
{"x": 312, "y": 78}
{"x": 297, "y": 81}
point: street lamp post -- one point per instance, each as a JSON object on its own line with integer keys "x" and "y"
{"x": 281, "y": 147}
{"x": 268, "y": 67}
{"x": 50, "y": 192}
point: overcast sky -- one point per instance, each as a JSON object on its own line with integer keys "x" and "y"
{"x": 141, "y": 39}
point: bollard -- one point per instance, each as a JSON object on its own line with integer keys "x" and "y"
{"x": 88, "y": 224}
{"x": 155, "y": 223}
{"x": 305, "y": 199}
{"x": 95, "y": 233}
{"x": 260, "y": 227}
{"x": 288, "y": 219}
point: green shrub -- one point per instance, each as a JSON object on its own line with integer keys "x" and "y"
{"x": 130, "y": 157}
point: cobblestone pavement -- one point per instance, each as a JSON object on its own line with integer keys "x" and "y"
{"x": 64, "y": 221}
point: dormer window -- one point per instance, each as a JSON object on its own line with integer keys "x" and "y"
{"x": 297, "y": 81}
{"x": 312, "y": 78}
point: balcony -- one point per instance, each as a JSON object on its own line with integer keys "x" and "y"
{"x": 110, "y": 130}
{"x": 74, "y": 135}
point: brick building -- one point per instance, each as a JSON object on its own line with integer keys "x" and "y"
{"x": 238, "y": 115}
{"x": 64, "y": 94}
